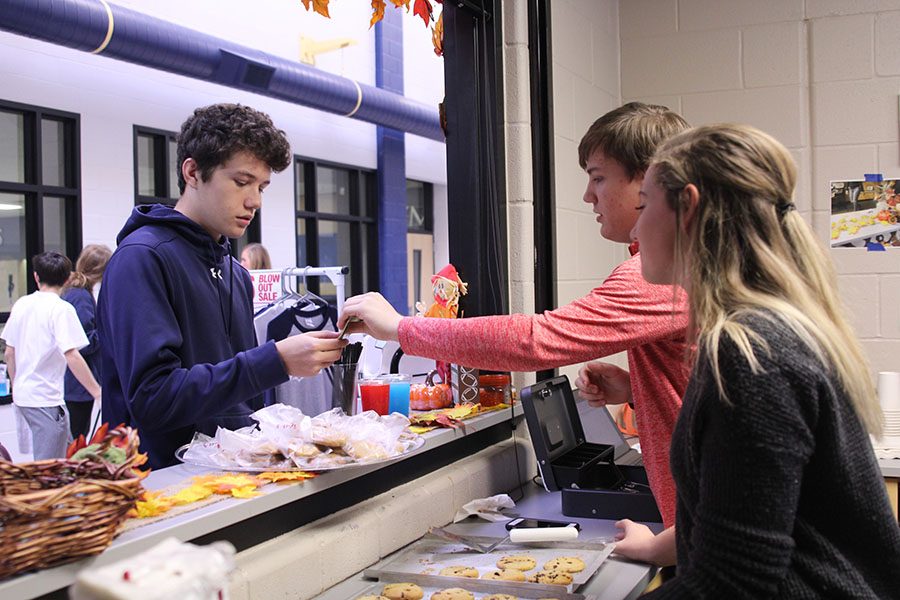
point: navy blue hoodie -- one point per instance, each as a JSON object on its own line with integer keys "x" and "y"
{"x": 178, "y": 347}
{"x": 86, "y": 308}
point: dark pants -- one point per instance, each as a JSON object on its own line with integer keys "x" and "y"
{"x": 80, "y": 417}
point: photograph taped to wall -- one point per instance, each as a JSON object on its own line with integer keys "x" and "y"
{"x": 865, "y": 212}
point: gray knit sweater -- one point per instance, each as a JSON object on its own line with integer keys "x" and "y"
{"x": 779, "y": 492}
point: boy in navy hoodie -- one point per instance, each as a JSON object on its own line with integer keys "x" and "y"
{"x": 175, "y": 315}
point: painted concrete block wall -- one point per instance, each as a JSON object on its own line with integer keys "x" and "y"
{"x": 113, "y": 96}
{"x": 519, "y": 182}
{"x": 586, "y": 84}
{"x": 312, "y": 558}
{"x": 822, "y": 76}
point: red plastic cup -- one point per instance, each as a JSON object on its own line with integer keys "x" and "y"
{"x": 375, "y": 394}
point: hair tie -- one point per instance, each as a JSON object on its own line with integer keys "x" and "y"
{"x": 785, "y": 208}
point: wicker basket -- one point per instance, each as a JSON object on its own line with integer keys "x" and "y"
{"x": 57, "y": 511}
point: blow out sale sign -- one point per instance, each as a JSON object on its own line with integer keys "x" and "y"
{"x": 266, "y": 287}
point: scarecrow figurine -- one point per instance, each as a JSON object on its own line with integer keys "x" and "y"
{"x": 447, "y": 288}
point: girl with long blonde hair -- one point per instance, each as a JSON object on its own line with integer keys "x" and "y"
{"x": 779, "y": 492}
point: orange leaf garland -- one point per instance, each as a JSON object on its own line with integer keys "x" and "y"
{"x": 377, "y": 12}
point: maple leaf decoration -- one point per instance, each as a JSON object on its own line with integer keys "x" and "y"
{"x": 423, "y": 9}
{"x": 377, "y": 12}
{"x": 319, "y": 6}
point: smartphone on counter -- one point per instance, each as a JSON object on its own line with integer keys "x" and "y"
{"x": 525, "y": 523}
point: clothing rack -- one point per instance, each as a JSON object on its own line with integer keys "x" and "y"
{"x": 335, "y": 274}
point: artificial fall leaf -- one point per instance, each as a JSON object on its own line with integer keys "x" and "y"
{"x": 377, "y": 12}
{"x": 225, "y": 482}
{"x": 423, "y": 9}
{"x": 320, "y": 6}
{"x": 399, "y": 3}
{"x": 153, "y": 505}
{"x": 190, "y": 494}
{"x": 437, "y": 36}
{"x": 462, "y": 411}
{"x": 287, "y": 476}
{"x": 245, "y": 492}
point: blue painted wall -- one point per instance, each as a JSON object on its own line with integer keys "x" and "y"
{"x": 391, "y": 146}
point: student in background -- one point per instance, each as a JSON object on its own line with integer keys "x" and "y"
{"x": 43, "y": 336}
{"x": 255, "y": 256}
{"x": 80, "y": 291}
{"x": 779, "y": 492}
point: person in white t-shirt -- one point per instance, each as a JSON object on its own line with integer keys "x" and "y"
{"x": 43, "y": 335}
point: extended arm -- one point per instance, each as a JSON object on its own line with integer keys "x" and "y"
{"x": 143, "y": 335}
{"x": 10, "y": 356}
{"x": 82, "y": 372}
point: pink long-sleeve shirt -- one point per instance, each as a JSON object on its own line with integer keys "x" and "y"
{"x": 625, "y": 313}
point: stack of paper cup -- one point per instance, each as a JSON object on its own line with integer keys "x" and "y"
{"x": 889, "y": 397}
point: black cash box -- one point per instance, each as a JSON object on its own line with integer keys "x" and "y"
{"x": 592, "y": 484}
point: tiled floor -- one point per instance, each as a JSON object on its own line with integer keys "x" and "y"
{"x": 8, "y": 433}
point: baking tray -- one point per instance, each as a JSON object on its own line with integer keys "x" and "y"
{"x": 429, "y": 555}
{"x": 479, "y": 587}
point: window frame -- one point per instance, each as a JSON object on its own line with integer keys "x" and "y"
{"x": 358, "y": 177}
{"x": 160, "y": 176}
{"x": 428, "y": 217}
{"x": 33, "y": 189}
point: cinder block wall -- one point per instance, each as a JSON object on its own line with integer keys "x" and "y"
{"x": 586, "y": 84}
{"x": 305, "y": 562}
{"x": 822, "y": 76}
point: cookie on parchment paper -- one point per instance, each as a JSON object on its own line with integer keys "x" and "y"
{"x": 505, "y": 575}
{"x": 453, "y": 594}
{"x": 568, "y": 564}
{"x": 519, "y": 563}
{"x": 403, "y": 591}
{"x": 459, "y": 571}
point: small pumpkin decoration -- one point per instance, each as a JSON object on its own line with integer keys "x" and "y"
{"x": 430, "y": 395}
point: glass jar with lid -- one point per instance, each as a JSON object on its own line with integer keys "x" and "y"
{"x": 494, "y": 389}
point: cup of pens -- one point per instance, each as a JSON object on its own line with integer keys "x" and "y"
{"x": 344, "y": 383}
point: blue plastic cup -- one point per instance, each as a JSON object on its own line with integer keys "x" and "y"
{"x": 399, "y": 394}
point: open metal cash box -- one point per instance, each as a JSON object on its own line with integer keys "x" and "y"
{"x": 592, "y": 484}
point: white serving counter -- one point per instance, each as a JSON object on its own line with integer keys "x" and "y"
{"x": 286, "y": 536}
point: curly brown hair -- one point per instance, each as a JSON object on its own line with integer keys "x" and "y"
{"x": 213, "y": 134}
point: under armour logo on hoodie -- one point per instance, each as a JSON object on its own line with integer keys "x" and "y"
{"x": 216, "y": 273}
